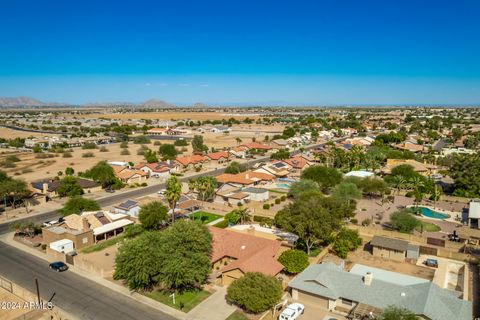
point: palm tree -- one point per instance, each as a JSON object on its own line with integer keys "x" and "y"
{"x": 205, "y": 187}
{"x": 243, "y": 215}
{"x": 191, "y": 185}
{"x": 417, "y": 183}
{"x": 173, "y": 192}
{"x": 398, "y": 182}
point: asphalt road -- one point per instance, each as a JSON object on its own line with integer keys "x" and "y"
{"x": 76, "y": 295}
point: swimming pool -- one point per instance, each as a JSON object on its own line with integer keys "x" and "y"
{"x": 283, "y": 185}
{"x": 427, "y": 212}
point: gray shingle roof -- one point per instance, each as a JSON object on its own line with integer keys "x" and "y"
{"x": 423, "y": 298}
{"x": 389, "y": 243}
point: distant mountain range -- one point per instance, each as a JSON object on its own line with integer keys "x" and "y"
{"x": 19, "y": 102}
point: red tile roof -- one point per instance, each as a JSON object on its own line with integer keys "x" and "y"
{"x": 218, "y": 155}
{"x": 296, "y": 162}
{"x": 193, "y": 159}
{"x": 252, "y": 254}
{"x": 256, "y": 145}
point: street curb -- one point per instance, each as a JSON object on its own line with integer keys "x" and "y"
{"x": 7, "y": 238}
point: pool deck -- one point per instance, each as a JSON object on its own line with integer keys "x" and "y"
{"x": 451, "y": 218}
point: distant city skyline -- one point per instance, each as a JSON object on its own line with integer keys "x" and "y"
{"x": 242, "y": 53}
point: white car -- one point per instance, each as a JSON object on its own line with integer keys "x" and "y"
{"x": 292, "y": 311}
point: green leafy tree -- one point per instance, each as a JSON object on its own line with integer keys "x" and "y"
{"x": 345, "y": 241}
{"x": 152, "y": 215}
{"x": 311, "y": 217}
{"x": 302, "y": 186}
{"x": 102, "y": 173}
{"x": 397, "y": 313}
{"x": 168, "y": 152}
{"x": 234, "y": 168}
{"x": 77, "y": 205}
{"x": 465, "y": 171}
{"x": 69, "y": 171}
{"x": 327, "y": 178}
{"x": 347, "y": 192}
{"x": 255, "y": 292}
{"x": 404, "y": 221}
{"x": 198, "y": 144}
{"x": 11, "y": 190}
{"x": 288, "y": 132}
{"x": 150, "y": 156}
{"x": 69, "y": 187}
{"x": 176, "y": 259}
{"x": 173, "y": 192}
{"x": 281, "y": 154}
{"x": 294, "y": 261}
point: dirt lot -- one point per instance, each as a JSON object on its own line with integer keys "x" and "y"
{"x": 11, "y": 134}
{"x": 43, "y": 168}
{"x": 366, "y": 258}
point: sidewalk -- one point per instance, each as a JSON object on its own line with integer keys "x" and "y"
{"x": 8, "y": 239}
{"x": 214, "y": 307}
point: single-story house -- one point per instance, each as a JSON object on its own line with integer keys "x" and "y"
{"x": 234, "y": 254}
{"x": 161, "y": 169}
{"x": 297, "y": 162}
{"x": 129, "y": 176}
{"x": 389, "y": 248}
{"x": 280, "y": 144}
{"x": 220, "y": 129}
{"x": 278, "y": 169}
{"x": 188, "y": 162}
{"x": 474, "y": 214}
{"x": 219, "y": 157}
{"x": 422, "y": 168}
{"x": 366, "y": 291}
{"x": 49, "y": 187}
{"x": 239, "y": 152}
{"x": 256, "y": 194}
{"x": 129, "y": 207}
{"x": 256, "y": 146}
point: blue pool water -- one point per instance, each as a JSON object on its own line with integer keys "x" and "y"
{"x": 283, "y": 185}
{"x": 427, "y": 212}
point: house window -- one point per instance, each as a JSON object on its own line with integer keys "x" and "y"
{"x": 347, "y": 302}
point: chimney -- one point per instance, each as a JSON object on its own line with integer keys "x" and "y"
{"x": 85, "y": 224}
{"x": 247, "y": 176}
{"x": 45, "y": 188}
{"x": 368, "y": 278}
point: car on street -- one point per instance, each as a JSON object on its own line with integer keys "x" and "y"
{"x": 58, "y": 266}
{"x": 292, "y": 311}
{"x": 110, "y": 190}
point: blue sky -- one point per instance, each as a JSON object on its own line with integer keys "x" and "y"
{"x": 329, "y": 52}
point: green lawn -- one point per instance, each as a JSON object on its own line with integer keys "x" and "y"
{"x": 102, "y": 245}
{"x": 427, "y": 227}
{"x": 206, "y": 217}
{"x": 237, "y": 315}
{"x": 183, "y": 301}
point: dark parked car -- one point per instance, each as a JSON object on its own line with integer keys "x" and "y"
{"x": 58, "y": 266}
{"x": 110, "y": 190}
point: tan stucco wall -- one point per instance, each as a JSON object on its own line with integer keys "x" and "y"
{"x": 79, "y": 241}
{"x": 229, "y": 276}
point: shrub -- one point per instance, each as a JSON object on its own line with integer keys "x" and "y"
{"x": 88, "y": 155}
{"x": 283, "y": 198}
{"x": 124, "y": 145}
{"x": 103, "y": 149}
{"x": 366, "y": 222}
{"x": 404, "y": 221}
{"x": 266, "y": 206}
{"x": 27, "y": 170}
{"x": 263, "y": 221}
{"x": 222, "y": 224}
{"x": 277, "y": 201}
{"x": 12, "y": 158}
{"x": 89, "y": 145}
{"x": 144, "y": 184}
{"x": 67, "y": 154}
{"x": 157, "y": 143}
{"x": 354, "y": 221}
{"x": 181, "y": 143}
{"x": 125, "y": 152}
{"x": 141, "y": 140}
{"x": 293, "y": 261}
{"x": 255, "y": 292}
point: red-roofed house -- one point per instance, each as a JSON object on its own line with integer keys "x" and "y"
{"x": 219, "y": 157}
{"x": 158, "y": 169}
{"x": 297, "y": 162}
{"x": 256, "y": 145}
{"x": 188, "y": 162}
{"x": 235, "y": 254}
